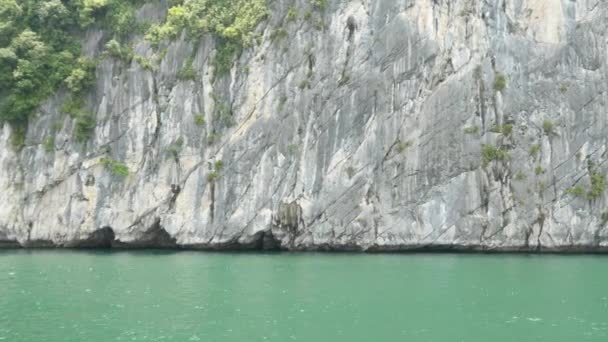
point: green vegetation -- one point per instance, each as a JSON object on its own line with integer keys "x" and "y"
{"x": 520, "y": 176}
{"x": 176, "y": 147}
{"x": 596, "y": 190}
{"x": 223, "y": 112}
{"x": 116, "y": 15}
{"x": 534, "y": 150}
{"x": 218, "y": 166}
{"x": 292, "y": 15}
{"x": 604, "y": 218}
{"x": 212, "y": 138}
{"x": 598, "y": 185}
{"x": 577, "y": 191}
{"x": 320, "y": 25}
{"x": 81, "y": 77}
{"x": 471, "y": 130}
{"x": 500, "y": 82}
{"x": 278, "y": 34}
{"x": 563, "y": 88}
{"x": 542, "y": 186}
{"x": 538, "y": 170}
{"x": 232, "y": 22}
{"x": 505, "y": 129}
{"x": 319, "y": 4}
{"x": 401, "y": 146}
{"x": 212, "y": 176}
{"x": 145, "y": 63}
{"x": 187, "y": 72}
{"x": 115, "y": 50}
{"x": 48, "y": 144}
{"x": 115, "y": 167}
{"x": 84, "y": 126}
{"x": 39, "y": 52}
{"x": 491, "y": 153}
{"x": 199, "y": 120}
{"x": 292, "y": 149}
{"x": 548, "y": 127}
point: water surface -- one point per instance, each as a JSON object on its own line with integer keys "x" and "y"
{"x": 62, "y": 296}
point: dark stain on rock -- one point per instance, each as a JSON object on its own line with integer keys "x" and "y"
{"x": 351, "y": 25}
{"x": 154, "y": 237}
{"x": 101, "y": 238}
{"x": 90, "y": 180}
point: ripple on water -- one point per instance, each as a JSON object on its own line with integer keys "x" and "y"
{"x": 196, "y": 297}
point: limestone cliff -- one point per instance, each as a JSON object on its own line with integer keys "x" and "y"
{"x": 372, "y": 125}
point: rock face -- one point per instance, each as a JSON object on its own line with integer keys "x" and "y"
{"x": 379, "y": 125}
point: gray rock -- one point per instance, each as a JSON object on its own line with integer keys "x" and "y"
{"x": 365, "y": 135}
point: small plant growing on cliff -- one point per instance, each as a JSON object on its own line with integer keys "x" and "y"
{"x": 577, "y": 191}
{"x": 500, "y": 82}
{"x": 218, "y": 166}
{"x": 213, "y": 176}
{"x": 278, "y": 34}
{"x": 115, "y": 167}
{"x": 84, "y": 126}
{"x": 548, "y": 127}
{"x": 534, "y": 150}
{"x": 145, "y": 63}
{"x": 48, "y": 144}
{"x": 292, "y": 149}
{"x": 596, "y": 190}
{"x": 505, "y": 129}
{"x": 292, "y": 15}
{"x": 319, "y": 4}
{"x": 212, "y": 138}
{"x": 176, "y": 147}
{"x": 471, "y": 130}
{"x": 491, "y": 153}
{"x": 186, "y": 72}
{"x": 320, "y": 25}
{"x": 199, "y": 120}
{"x": 598, "y": 185}
{"x": 401, "y": 146}
{"x": 117, "y": 51}
{"x": 520, "y": 176}
{"x": 82, "y": 76}
{"x": 539, "y": 170}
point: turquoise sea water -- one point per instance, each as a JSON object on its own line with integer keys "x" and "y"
{"x": 61, "y": 296}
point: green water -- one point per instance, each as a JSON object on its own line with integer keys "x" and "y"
{"x": 61, "y": 296}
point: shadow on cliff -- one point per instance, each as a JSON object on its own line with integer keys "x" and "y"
{"x": 156, "y": 237}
